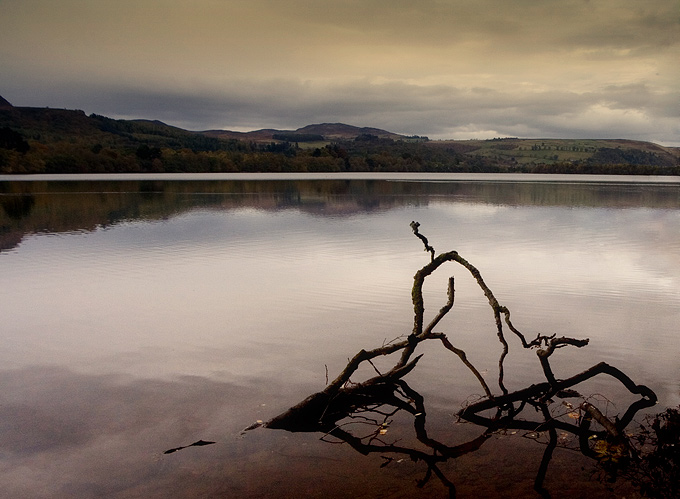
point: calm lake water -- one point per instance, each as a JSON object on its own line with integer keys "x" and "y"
{"x": 141, "y": 314}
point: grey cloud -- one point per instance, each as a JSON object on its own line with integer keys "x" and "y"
{"x": 640, "y": 96}
{"x": 432, "y": 67}
{"x": 538, "y": 26}
{"x": 406, "y": 108}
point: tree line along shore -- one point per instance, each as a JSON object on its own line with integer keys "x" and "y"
{"x": 45, "y": 140}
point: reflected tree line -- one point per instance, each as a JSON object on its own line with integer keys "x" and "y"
{"x": 27, "y": 207}
{"x": 360, "y": 413}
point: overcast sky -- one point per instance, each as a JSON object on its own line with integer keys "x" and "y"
{"x": 442, "y": 68}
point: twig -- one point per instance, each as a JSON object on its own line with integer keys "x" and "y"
{"x": 414, "y": 226}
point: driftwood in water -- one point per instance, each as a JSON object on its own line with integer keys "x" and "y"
{"x": 375, "y": 400}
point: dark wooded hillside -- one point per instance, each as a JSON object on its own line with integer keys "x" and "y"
{"x": 44, "y": 140}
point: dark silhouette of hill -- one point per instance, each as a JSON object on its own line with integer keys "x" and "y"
{"x": 45, "y": 140}
{"x": 4, "y": 103}
{"x": 309, "y": 133}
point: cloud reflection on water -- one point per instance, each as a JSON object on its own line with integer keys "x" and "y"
{"x": 251, "y": 288}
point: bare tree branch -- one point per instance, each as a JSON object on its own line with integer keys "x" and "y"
{"x": 342, "y": 400}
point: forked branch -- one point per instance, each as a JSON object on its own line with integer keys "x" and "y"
{"x": 342, "y": 400}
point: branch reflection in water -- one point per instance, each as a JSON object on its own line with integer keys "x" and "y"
{"x": 360, "y": 414}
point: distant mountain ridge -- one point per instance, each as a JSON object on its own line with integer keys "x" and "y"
{"x": 48, "y": 140}
{"x": 328, "y": 131}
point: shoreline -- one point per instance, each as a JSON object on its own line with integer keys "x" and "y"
{"x": 389, "y": 176}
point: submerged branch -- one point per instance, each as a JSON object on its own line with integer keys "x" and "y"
{"x": 342, "y": 400}
{"x": 408, "y": 345}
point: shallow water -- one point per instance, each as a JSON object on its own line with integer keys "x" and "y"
{"x": 143, "y": 315}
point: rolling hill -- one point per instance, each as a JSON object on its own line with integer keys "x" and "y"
{"x": 45, "y": 140}
{"x": 309, "y": 133}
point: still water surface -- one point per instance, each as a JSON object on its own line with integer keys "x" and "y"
{"x": 142, "y": 315}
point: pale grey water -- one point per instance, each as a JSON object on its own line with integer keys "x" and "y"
{"x": 143, "y": 315}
